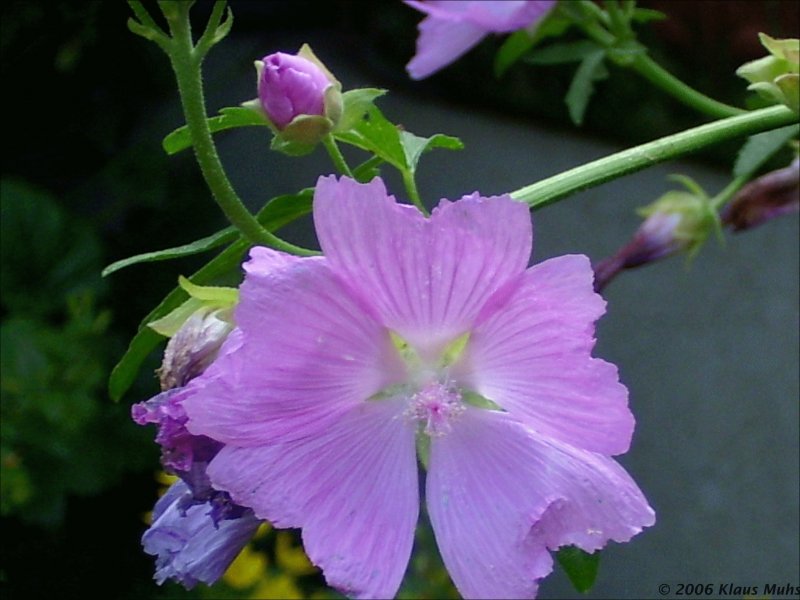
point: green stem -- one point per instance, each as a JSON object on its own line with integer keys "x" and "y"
{"x": 186, "y": 64}
{"x": 413, "y": 193}
{"x": 336, "y": 155}
{"x": 634, "y": 159}
{"x": 658, "y": 76}
{"x": 718, "y": 201}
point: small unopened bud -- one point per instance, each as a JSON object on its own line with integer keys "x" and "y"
{"x": 772, "y": 195}
{"x": 194, "y": 347}
{"x": 299, "y": 96}
{"x": 678, "y": 221}
{"x": 776, "y": 77}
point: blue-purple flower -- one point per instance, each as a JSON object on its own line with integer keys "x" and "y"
{"x": 189, "y": 545}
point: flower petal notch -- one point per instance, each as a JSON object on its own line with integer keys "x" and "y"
{"x": 421, "y": 338}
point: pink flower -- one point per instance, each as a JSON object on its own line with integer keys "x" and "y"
{"x": 429, "y": 335}
{"x": 453, "y": 27}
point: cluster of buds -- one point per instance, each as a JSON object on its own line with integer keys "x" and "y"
{"x": 776, "y": 77}
{"x": 196, "y": 531}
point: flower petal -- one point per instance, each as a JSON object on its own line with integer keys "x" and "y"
{"x": 499, "y": 496}
{"x": 531, "y": 354}
{"x": 498, "y": 17}
{"x": 308, "y": 351}
{"x": 352, "y": 488}
{"x": 427, "y": 278}
{"x": 188, "y": 544}
{"x": 440, "y": 43}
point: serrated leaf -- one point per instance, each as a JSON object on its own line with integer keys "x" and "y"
{"x": 581, "y": 89}
{"x": 520, "y": 42}
{"x": 278, "y": 212}
{"x": 356, "y": 103}
{"x": 415, "y": 146}
{"x": 581, "y": 567}
{"x": 230, "y": 118}
{"x": 565, "y": 52}
{"x": 760, "y": 147}
{"x": 222, "y": 237}
{"x": 376, "y": 134}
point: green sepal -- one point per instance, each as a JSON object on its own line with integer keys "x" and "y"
{"x": 302, "y": 135}
{"x": 776, "y": 77}
{"x": 210, "y": 297}
{"x": 581, "y": 567}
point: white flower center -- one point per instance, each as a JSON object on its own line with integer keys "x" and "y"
{"x": 437, "y": 405}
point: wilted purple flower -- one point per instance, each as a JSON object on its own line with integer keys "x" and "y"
{"x": 194, "y": 346}
{"x": 197, "y": 530}
{"x": 772, "y": 195}
{"x": 290, "y": 85}
{"x": 427, "y": 333}
{"x": 453, "y": 27}
{"x": 190, "y": 545}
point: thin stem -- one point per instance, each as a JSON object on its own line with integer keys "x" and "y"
{"x": 186, "y": 65}
{"x": 413, "y": 193}
{"x": 336, "y": 155}
{"x": 207, "y": 39}
{"x": 718, "y": 201}
{"x": 657, "y": 75}
{"x": 634, "y": 159}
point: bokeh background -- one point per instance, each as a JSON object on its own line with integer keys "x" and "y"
{"x": 708, "y": 350}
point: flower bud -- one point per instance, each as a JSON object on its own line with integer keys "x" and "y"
{"x": 771, "y": 195}
{"x": 678, "y": 221}
{"x": 776, "y": 77}
{"x": 299, "y": 96}
{"x": 194, "y": 346}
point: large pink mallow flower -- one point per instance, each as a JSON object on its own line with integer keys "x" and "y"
{"x": 453, "y": 27}
{"x": 431, "y": 335}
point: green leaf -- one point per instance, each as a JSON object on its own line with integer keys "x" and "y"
{"x": 225, "y": 236}
{"x": 760, "y": 147}
{"x": 376, "y": 134}
{"x": 645, "y": 15}
{"x": 231, "y": 117}
{"x": 590, "y": 70}
{"x": 46, "y": 254}
{"x": 581, "y": 567}
{"x": 414, "y": 146}
{"x": 565, "y": 52}
{"x": 520, "y": 42}
{"x": 278, "y": 212}
{"x": 356, "y": 104}
{"x": 145, "y": 340}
